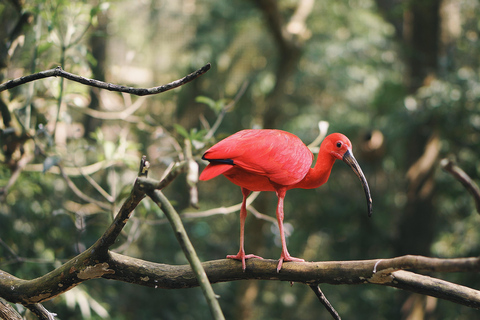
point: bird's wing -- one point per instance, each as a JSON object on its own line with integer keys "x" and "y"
{"x": 276, "y": 154}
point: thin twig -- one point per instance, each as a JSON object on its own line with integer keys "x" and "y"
{"x": 323, "y": 129}
{"x": 449, "y": 166}
{"x": 21, "y": 164}
{"x": 96, "y": 186}
{"x": 262, "y": 216}
{"x": 224, "y": 110}
{"x": 10, "y": 250}
{"x": 220, "y": 210}
{"x": 79, "y": 193}
{"x": 125, "y": 114}
{"x": 59, "y": 72}
{"x": 323, "y": 299}
{"x": 189, "y": 251}
{"x": 75, "y": 171}
{"x": 178, "y": 168}
{"x": 41, "y": 312}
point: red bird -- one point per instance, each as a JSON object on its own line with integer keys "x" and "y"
{"x": 275, "y": 160}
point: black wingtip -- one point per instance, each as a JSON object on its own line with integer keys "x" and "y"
{"x": 222, "y": 161}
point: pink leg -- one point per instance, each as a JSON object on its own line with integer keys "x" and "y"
{"x": 243, "y": 214}
{"x": 285, "y": 256}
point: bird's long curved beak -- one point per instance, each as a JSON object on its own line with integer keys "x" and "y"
{"x": 349, "y": 159}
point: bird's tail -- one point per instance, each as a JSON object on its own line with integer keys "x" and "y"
{"x": 213, "y": 170}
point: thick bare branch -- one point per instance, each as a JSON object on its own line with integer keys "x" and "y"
{"x": 59, "y": 72}
{"x": 435, "y": 287}
{"x": 311, "y": 273}
{"x": 121, "y": 219}
{"x": 332, "y": 272}
{"x": 123, "y": 268}
{"x": 420, "y": 263}
{"x": 58, "y": 281}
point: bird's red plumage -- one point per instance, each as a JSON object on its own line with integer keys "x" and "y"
{"x": 213, "y": 170}
{"x": 259, "y": 156}
{"x": 275, "y": 160}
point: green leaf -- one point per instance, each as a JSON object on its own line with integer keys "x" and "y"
{"x": 44, "y": 47}
{"x": 182, "y": 131}
{"x": 206, "y": 100}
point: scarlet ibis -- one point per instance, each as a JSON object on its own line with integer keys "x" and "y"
{"x": 275, "y": 160}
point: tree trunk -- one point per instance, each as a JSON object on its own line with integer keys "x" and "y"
{"x": 98, "y": 47}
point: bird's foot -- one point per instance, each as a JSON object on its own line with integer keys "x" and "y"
{"x": 285, "y": 258}
{"x": 242, "y": 257}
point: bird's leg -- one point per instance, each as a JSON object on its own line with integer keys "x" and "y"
{"x": 243, "y": 214}
{"x": 285, "y": 256}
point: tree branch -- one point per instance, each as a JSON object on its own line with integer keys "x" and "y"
{"x": 164, "y": 276}
{"x": 224, "y": 111}
{"x": 125, "y": 115}
{"x": 21, "y": 164}
{"x": 75, "y": 171}
{"x": 121, "y": 219}
{"x": 450, "y": 166}
{"x": 59, "y": 72}
{"x": 318, "y": 292}
{"x": 41, "y": 312}
{"x": 152, "y": 190}
{"x": 99, "y": 262}
{"x": 289, "y": 39}
{"x": 187, "y": 247}
{"x": 118, "y": 267}
{"x": 311, "y": 273}
{"x": 78, "y": 192}
{"x": 8, "y": 312}
{"x": 435, "y": 287}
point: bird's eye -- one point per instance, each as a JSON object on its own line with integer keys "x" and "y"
{"x": 339, "y": 144}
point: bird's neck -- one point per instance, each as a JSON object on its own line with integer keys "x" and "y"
{"x": 319, "y": 174}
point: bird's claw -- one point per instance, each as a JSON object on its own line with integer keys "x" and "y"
{"x": 287, "y": 258}
{"x": 242, "y": 257}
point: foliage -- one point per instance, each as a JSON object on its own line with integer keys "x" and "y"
{"x": 352, "y": 73}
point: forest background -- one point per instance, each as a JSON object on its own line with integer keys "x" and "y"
{"x": 400, "y": 78}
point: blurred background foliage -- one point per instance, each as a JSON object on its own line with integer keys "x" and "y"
{"x": 400, "y": 78}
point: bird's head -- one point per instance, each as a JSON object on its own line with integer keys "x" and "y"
{"x": 340, "y": 147}
{"x": 336, "y": 144}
